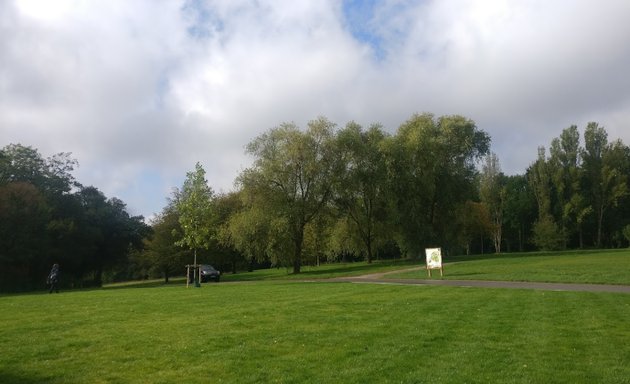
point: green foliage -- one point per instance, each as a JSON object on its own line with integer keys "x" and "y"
{"x": 289, "y": 184}
{"x": 566, "y": 177}
{"x": 361, "y": 187}
{"x": 547, "y": 235}
{"x": 248, "y": 232}
{"x": 474, "y": 222}
{"x": 162, "y": 256}
{"x": 24, "y": 216}
{"x": 431, "y": 168}
{"x": 225, "y": 253}
{"x": 196, "y": 216}
{"x": 520, "y": 211}
{"x": 539, "y": 179}
{"x": 109, "y": 231}
{"x": 46, "y": 217}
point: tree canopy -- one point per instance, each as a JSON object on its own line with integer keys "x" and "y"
{"x": 47, "y": 217}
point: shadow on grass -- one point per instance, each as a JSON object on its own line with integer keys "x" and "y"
{"x": 145, "y": 284}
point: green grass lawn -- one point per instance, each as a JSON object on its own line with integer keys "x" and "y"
{"x": 308, "y": 272}
{"x": 598, "y": 267}
{"x": 325, "y": 271}
{"x": 293, "y": 332}
{"x": 262, "y": 330}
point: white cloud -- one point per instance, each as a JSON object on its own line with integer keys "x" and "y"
{"x": 141, "y": 90}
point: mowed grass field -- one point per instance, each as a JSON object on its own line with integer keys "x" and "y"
{"x": 596, "y": 267}
{"x": 315, "y": 332}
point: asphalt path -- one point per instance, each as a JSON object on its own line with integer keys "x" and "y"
{"x": 380, "y": 278}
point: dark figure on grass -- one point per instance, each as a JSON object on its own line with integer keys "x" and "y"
{"x": 53, "y": 279}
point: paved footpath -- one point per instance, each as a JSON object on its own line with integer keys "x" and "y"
{"x": 379, "y": 278}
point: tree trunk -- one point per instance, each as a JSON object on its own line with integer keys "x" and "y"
{"x": 600, "y": 220}
{"x": 298, "y": 239}
{"x": 297, "y": 264}
{"x": 369, "y": 251}
{"x": 297, "y": 256}
{"x": 98, "y": 277}
{"x": 497, "y": 240}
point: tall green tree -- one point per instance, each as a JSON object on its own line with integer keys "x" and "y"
{"x": 196, "y": 216}
{"x": 546, "y": 233}
{"x": 595, "y": 141}
{"x": 225, "y": 253}
{"x": 614, "y": 185}
{"x": 161, "y": 254}
{"x": 290, "y": 182}
{"x": 34, "y": 191}
{"x": 361, "y": 187}
{"x": 520, "y": 211}
{"x": 604, "y": 175}
{"x": 566, "y": 174}
{"x": 473, "y": 222}
{"x": 431, "y": 169}
{"x": 108, "y": 231}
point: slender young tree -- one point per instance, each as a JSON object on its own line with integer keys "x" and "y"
{"x": 566, "y": 174}
{"x": 194, "y": 205}
{"x": 492, "y": 194}
{"x": 547, "y": 235}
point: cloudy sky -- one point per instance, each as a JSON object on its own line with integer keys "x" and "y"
{"x": 139, "y": 91}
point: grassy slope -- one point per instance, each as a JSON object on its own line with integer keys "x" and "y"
{"x": 314, "y": 333}
{"x": 601, "y": 267}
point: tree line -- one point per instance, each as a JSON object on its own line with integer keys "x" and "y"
{"x": 47, "y": 217}
{"x": 326, "y": 193}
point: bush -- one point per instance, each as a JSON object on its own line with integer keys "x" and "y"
{"x": 547, "y": 236}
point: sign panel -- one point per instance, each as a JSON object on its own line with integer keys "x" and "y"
{"x": 434, "y": 258}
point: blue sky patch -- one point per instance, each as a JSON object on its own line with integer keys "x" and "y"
{"x": 204, "y": 22}
{"x": 359, "y": 17}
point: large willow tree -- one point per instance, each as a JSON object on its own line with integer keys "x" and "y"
{"x": 289, "y": 184}
{"x": 361, "y": 192}
{"x": 431, "y": 167}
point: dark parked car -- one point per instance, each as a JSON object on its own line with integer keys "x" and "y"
{"x": 208, "y": 273}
